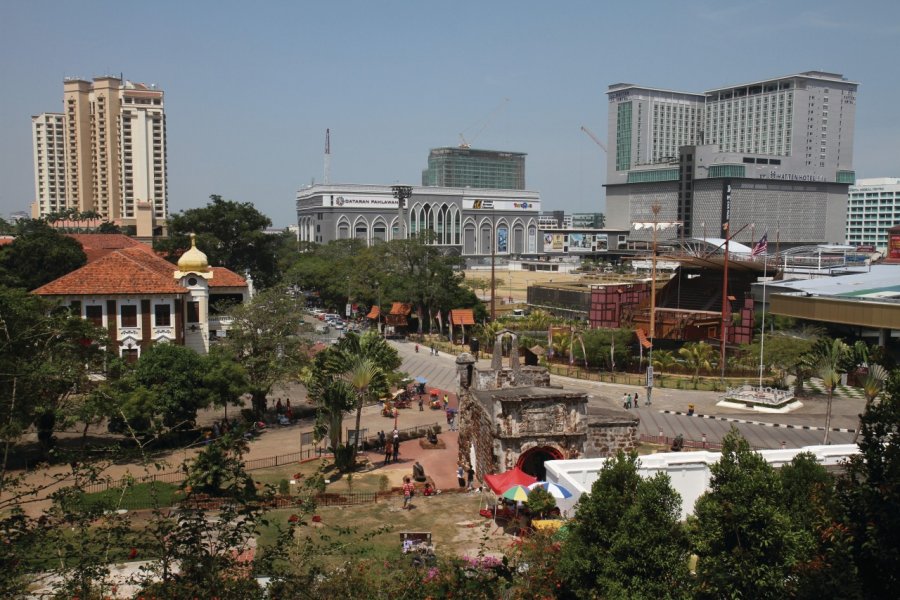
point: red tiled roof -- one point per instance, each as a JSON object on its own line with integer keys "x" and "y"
{"x": 462, "y": 316}
{"x": 124, "y": 271}
{"x": 98, "y": 245}
{"x": 223, "y": 277}
{"x": 401, "y": 308}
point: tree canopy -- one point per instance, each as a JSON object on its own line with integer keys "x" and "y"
{"x": 46, "y": 356}
{"x": 231, "y": 234}
{"x": 263, "y": 340}
{"x": 412, "y": 271}
{"x": 38, "y": 255}
{"x": 626, "y": 540}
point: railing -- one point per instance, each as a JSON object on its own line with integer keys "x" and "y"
{"x": 664, "y": 440}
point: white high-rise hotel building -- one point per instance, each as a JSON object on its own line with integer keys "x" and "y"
{"x": 776, "y": 153}
{"x": 106, "y": 152}
{"x": 873, "y": 208}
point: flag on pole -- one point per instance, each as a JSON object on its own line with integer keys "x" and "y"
{"x": 762, "y": 246}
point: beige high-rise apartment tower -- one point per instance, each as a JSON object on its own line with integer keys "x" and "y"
{"x": 113, "y": 149}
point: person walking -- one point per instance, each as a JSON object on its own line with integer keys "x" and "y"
{"x": 388, "y": 451}
{"x": 421, "y": 403}
{"x": 635, "y": 401}
{"x": 417, "y": 348}
{"x": 408, "y": 489}
{"x": 624, "y": 400}
{"x": 470, "y": 475}
{"x": 381, "y": 440}
{"x": 460, "y": 476}
{"x": 396, "y": 454}
{"x": 446, "y": 401}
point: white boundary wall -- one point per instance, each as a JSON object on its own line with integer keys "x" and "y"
{"x": 689, "y": 471}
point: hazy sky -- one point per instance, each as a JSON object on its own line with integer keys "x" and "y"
{"x": 251, "y": 86}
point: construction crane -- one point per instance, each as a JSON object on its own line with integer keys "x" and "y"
{"x": 593, "y": 137}
{"x": 467, "y": 143}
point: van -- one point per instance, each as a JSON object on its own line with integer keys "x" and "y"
{"x": 322, "y": 329}
{"x": 332, "y": 316}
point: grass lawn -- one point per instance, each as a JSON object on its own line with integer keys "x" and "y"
{"x": 452, "y": 519}
{"x": 362, "y": 481}
{"x": 136, "y": 497}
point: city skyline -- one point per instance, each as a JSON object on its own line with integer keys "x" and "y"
{"x": 250, "y": 92}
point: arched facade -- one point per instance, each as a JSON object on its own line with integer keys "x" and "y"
{"x": 533, "y": 456}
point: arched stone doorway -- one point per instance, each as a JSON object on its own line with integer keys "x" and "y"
{"x": 532, "y": 460}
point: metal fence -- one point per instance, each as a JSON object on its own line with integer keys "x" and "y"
{"x": 664, "y": 440}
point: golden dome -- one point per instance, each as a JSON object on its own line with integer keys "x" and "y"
{"x": 193, "y": 260}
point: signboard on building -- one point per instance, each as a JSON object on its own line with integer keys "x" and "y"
{"x": 356, "y": 201}
{"x": 576, "y": 243}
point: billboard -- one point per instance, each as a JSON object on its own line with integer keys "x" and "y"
{"x": 576, "y": 243}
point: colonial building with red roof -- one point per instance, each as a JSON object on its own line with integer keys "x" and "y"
{"x": 142, "y": 299}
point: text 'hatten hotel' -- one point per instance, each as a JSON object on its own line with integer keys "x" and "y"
{"x": 776, "y": 153}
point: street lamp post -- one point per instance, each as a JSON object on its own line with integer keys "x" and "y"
{"x": 402, "y": 193}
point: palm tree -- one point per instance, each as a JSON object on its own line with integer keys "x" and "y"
{"x": 362, "y": 376}
{"x": 538, "y": 320}
{"x": 364, "y": 364}
{"x": 696, "y": 356}
{"x": 663, "y": 361}
{"x": 872, "y": 385}
{"x": 829, "y": 362}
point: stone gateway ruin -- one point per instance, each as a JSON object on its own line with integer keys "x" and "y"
{"x": 512, "y": 417}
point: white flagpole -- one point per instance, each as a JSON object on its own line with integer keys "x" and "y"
{"x": 762, "y": 329}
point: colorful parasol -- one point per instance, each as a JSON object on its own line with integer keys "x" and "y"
{"x": 556, "y": 490}
{"x": 517, "y": 493}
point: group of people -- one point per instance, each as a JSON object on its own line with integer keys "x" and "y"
{"x": 465, "y": 476}
{"x": 433, "y": 350}
{"x": 629, "y": 401}
{"x": 391, "y": 446}
{"x": 283, "y": 412}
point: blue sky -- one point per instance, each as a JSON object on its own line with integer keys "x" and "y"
{"x": 252, "y": 86}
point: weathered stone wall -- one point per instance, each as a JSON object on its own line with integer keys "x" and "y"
{"x": 490, "y": 379}
{"x": 606, "y": 436}
{"x": 475, "y": 426}
{"x": 545, "y": 416}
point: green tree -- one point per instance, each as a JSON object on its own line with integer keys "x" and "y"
{"x": 231, "y": 234}
{"x": 365, "y": 364}
{"x": 540, "y": 501}
{"x": 224, "y": 378}
{"x": 664, "y": 361}
{"x": 262, "y": 339}
{"x": 335, "y": 270}
{"x": 46, "y": 358}
{"x": 783, "y": 352}
{"x": 602, "y": 345}
{"x": 745, "y": 541}
{"x": 626, "y": 540}
{"x": 869, "y": 492}
{"x": 829, "y": 359}
{"x": 163, "y": 391}
{"x": 697, "y": 356}
{"x": 825, "y": 566}
{"x": 38, "y": 255}
{"x": 872, "y": 383}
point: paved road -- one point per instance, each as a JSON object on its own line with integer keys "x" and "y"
{"x": 655, "y": 419}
